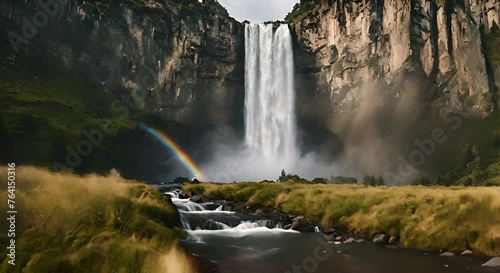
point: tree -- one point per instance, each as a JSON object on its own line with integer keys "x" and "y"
{"x": 474, "y": 167}
{"x": 343, "y": 180}
{"x": 319, "y": 180}
{"x": 369, "y": 180}
{"x": 283, "y": 177}
{"x": 421, "y": 181}
{"x": 380, "y": 181}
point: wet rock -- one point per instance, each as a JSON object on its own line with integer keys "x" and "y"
{"x": 466, "y": 253}
{"x": 393, "y": 240}
{"x": 259, "y": 212}
{"x": 349, "y": 241}
{"x": 360, "y": 240}
{"x": 329, "y": 230}
{"x": 339, "y": 238}
{"x": 195, "y": 198}
{"x": 199, "y": 199}
{"x": 493, "y": 262}
{"x": 381, "y": 239}
{"x": 302, "y": 224}
{"x": 201, "y": 264}
{"x": 330, "y": 237}
{"x": 447, "y": 254}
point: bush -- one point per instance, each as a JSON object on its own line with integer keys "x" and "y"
{"x": 421, "y": 181}
{"x": 342, "y": 180}
{"x": 319, "y": 180}
{"x": 496, "y": 138}
{"x": 369, "y": 181}
{"x": 380, "y": 181}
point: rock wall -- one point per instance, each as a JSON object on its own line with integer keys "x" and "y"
{"x": 426, "y": 51}
{"x": 180, "y": 59}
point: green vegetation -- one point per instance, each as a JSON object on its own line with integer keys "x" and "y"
{"x": 42, "y": 111}
{"x": 492, "y": 43}
{"x": 427, "y": 218}
{"x": 302, "y": 9}
{"x": 102, "y": 8}
{"x": 71, "y": 223}
{"x": 478, "y": 162}
{"x": 372, "y": 181}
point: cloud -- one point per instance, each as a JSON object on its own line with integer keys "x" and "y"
{"x": 258, "y": 10}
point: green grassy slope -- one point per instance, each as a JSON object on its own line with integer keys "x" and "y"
{"x": 41, "y": 112}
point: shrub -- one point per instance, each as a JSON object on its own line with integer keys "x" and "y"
{"x": 340, "y": 180}
{"x": 369, "y": 180}
{"x": 496, "y": 138}
{"x": 319, "y": 180}
{"x": 421, "y": 181}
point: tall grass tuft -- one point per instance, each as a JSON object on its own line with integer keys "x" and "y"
{"x": 70, "y": 223}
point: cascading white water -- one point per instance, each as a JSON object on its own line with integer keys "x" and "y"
{"x": 270, "y": 93}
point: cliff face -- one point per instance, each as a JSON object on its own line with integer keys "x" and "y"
{"x": 426, "y": 51}
{"x": 179, "y": 59}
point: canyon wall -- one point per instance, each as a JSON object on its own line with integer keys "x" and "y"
{"x": 383, "y": 74}
{"x": 371, "y": 75}
{"x": 429, "y": 50}
{"x": 180, "y": 59}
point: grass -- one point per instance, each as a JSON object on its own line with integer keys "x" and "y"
{"x": 44, "y": 111}
{"x": 69, "y": 223}
{"x": 427, "y": 218}
{"x": 482, "y": 133}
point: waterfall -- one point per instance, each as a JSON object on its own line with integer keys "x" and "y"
{"x": 270, "y": 93}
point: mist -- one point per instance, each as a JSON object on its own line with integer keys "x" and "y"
{"x": 231, "y": 160}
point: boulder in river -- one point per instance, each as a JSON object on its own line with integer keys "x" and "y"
{"x": 393, "y": 240}
{"x": 350, "y": 240}
{"x": 466, "y": 253}
{"x": 329, "y": 230}
{"x": 258, "y": 212}
{"x": 302, "y": 224}
{"x": 381, "y": 239}
{"x": 493, "y": 262}
{"x": 447, "y": 254}
{"x": 199, "y": 199}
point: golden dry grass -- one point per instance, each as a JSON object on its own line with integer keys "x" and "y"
{"x": 428, "y": 218}
{"x": 71, "y": 223}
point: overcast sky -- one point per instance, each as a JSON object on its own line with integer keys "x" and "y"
{"x": 258, "y": 10}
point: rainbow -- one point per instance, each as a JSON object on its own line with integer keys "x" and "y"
{"x": 170, "y": 143}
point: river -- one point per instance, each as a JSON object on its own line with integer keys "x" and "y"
{"x": 244, "y": 243}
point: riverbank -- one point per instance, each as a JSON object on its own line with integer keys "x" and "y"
{"x": 71, "y": 223}
{"x": 426, "y": 218}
